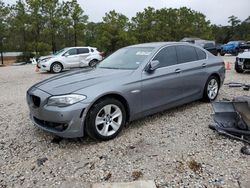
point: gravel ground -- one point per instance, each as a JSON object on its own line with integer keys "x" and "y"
{"x": 174, "y": 148}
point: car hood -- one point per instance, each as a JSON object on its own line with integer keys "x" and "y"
{"x": 77, "y": 80}
{"x": 244, "y": 55}
{"x": 45, "y": 57}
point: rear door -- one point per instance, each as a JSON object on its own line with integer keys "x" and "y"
{"x": 164, "y": 85}
{"x": 83, "y": 54}
{"x": 193, "y": 65}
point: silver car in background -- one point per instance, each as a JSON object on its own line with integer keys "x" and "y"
{"x": 72, "y": 57}
{"x": 131, "y": 83}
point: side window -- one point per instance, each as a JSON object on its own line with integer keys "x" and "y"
{"x": 92, "y": 50}
{"x": 201, "y": 54}
{"x": 209, "y": 45}
{"x": 71, "y": 52}
{"x": 186, "y": 54}
{"x": 83, "y": 50}
{"x": 167, "y": 56}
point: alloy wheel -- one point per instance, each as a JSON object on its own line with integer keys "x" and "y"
{"x": 57, "y": 68}
{"x": 108, "y": 120}
{"x": 212, "y": 89}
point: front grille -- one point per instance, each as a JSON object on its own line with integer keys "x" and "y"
{"x": 247, "y": 63}
{"x": 36, "y": 100}
{"x": 51, "y": 125}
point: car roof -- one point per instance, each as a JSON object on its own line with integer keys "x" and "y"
{"x": 159, "y": 44}
{"x": 234, "y": 41}
{"x": 81, "y": 47}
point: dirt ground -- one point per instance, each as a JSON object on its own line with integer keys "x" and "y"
{"x": 9, "y": 60}
{"x": 174, "y": 148}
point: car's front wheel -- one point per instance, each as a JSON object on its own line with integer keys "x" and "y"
{"x": 56, "y": 67}
{"x": 105, "y": 119}
{"x": 211, "y": 89}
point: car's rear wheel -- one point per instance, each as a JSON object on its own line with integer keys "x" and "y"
{"x": 56, "y": 67}
{"x": 93, "y": 63}
{"x": 105, "y": 119}
{"x": 211, "y": 88}
{"x": 237, "y": 68}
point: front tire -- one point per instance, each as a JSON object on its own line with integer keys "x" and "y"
{"x": 56, "y": 67}
{"x": 211, "y": 89}
{"x": 105, "y": 119}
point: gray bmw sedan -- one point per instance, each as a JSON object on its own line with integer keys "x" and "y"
{"x": 133, "y": 82}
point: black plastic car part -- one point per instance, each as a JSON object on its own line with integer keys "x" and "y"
{"x": 232, "y": 118}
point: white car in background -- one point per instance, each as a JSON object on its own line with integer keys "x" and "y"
{"x": 72, "y": 57}
{"x": 242, "y": 62}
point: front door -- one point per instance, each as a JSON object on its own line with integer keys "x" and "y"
{"x": 163, "y": 86}
{"x": 71, "y": 58}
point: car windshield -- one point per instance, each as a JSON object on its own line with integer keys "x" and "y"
{"x": 126, "y": 58}
{"x": 60, "y": 51}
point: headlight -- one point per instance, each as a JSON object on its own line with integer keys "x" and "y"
{"x": 44, "y": 60}
{"x": 65, "y": 100}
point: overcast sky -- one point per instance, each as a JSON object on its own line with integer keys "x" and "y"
{"x": 217, "y": 11}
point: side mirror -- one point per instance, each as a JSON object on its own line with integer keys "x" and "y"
{"x": 66, "y": 54}
{"x": 153, "y": 65}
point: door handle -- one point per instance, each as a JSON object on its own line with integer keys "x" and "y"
{"x": 204, "y": 65}
{"x": 177, "y": 70}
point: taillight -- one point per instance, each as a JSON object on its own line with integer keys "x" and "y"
{"x": 102, "y": 54}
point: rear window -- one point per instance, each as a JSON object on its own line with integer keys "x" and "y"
{"x": 209, "y": 45}
{"x": 83, "y": 50}
{"x": 201, "y": 54}
{"x": 186, "y": 54}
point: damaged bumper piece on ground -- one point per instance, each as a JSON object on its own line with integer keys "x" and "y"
{"x": 232, "y": 118}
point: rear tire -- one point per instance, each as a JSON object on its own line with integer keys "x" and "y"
{"x": 93, "y": 63}
{"x": 105, "y": 119}
{"x": 237, "y": 68}
{"x": 211, "y": 89}
{"x": 56, "y": 67}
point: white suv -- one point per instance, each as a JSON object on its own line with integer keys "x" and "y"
{"x": 70, "y": 58}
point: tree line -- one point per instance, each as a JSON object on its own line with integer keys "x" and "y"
{"x": 42, "y": 26}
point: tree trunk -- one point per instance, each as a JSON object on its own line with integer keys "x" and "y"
{"x": 1, "y": 45}
{"x": 53, "y": 44}
{"x": 2, "y": 56}
{"x": 75, "y": 37}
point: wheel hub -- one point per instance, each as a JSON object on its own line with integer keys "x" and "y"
{"x": 108, "y": 120}
{"x": 212, "y": 89}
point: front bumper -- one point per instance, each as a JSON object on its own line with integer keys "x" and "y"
{"x": 243, "y": 63}
{"x": 43, "y": 67}
{"x": 65, "y": 122}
